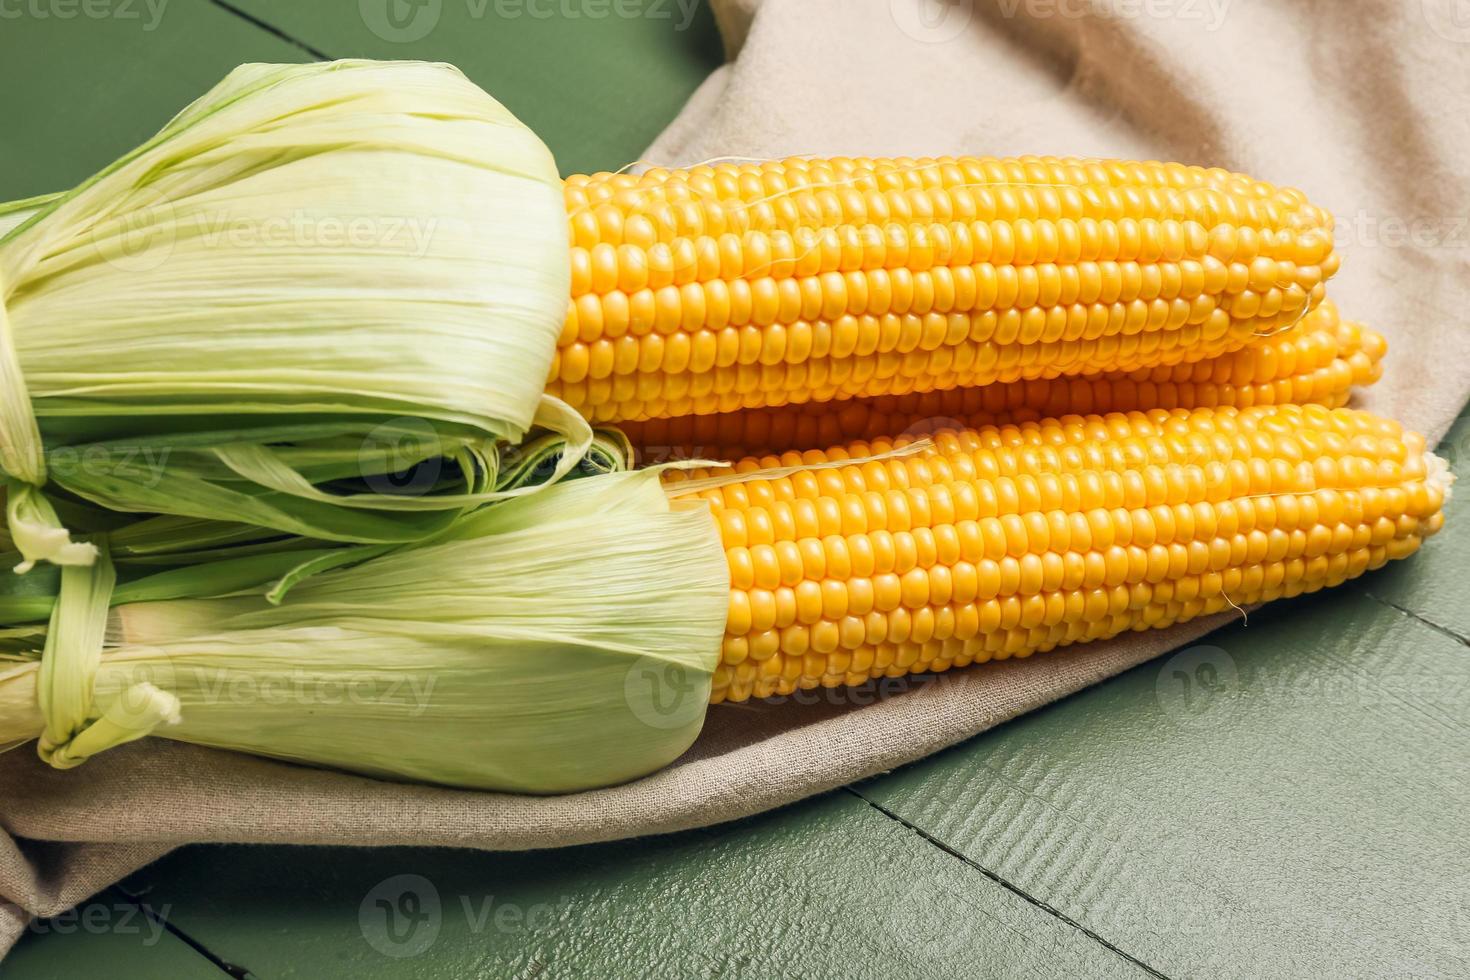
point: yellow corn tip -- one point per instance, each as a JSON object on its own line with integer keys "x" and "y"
{"x": 741, "y": 286}
{"x": 1318, "y": 362}
{"x": 1002, "y": 542}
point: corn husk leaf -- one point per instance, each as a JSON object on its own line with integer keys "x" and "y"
{"x": 304, "y": 263}
{"x": 171, "y": 557}
{"x": 554, "y": 643}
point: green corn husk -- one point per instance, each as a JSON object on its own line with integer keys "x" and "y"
{"x": 260, "y": 469}
{"x": 161, "y": 558}
{"x": 554, "y": 643}
{"x": 313, "y": 277}
{"x": 16, "y": 213}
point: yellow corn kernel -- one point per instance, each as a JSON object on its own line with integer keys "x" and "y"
{"x": 758, "y": 285}
{"x": 1001, "y": 542}
{"x": 1319, "y": 362}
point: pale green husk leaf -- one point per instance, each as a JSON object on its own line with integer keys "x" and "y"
{"x": 549, "y": 644}
{"x": 262, "y": 297}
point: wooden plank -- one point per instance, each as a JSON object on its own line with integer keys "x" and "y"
{"x": 1434, "y": 585}
{"x": 107, "y": 936}
{"x": 597, "y": 79}
{"x": 1285, "y": 799}
{"x": 82, "y": 91}
{"x": 828, "y": 889}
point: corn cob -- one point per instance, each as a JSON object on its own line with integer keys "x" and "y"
{"x": 741, "y": 286}
{"x": 1003, "y": 542}
{"x": 1318, "y": 362}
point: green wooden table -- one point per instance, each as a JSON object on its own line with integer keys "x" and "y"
{"x": 1288, "y": 798}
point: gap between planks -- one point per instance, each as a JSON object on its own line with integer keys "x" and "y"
{"x": 1008, "y": 886}
{"x": 269, "y": 28}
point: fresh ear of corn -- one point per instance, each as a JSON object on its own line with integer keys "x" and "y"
{"x": 553, "y": 643}
{"x": 572, "y": 638}
{"x": 742, "y": 286}
{"x": 1004, "y": 542}
{"x": 1318, "y": 362}
{"x": 314, "y": 274}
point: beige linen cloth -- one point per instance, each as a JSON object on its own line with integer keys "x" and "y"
{"x": 1361, "y": 104}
